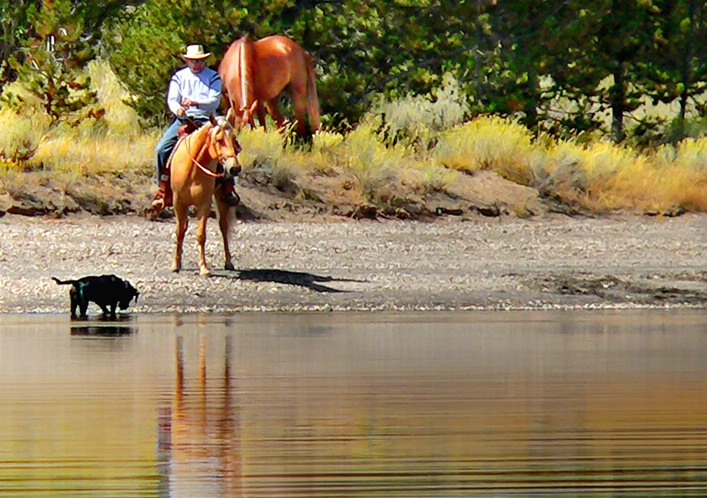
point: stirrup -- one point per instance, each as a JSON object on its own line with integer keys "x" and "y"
{"x": 163, "y": 196}
{"x": 158, "y": 204}
{"x": 162, "y": 200}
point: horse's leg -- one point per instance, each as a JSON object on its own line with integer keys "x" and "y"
{"x": 182, "y": 220}
{"x": 261, "y": 115}
{"x": 274, "y": 109}
{"x": 224, "y": 220}
{"x": 299, "y": 101}
{"x": 202, "y": 217}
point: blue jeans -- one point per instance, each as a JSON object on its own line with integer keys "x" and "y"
{"x": 165, "y": 147}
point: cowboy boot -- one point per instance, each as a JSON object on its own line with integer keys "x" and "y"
{"x": 163, "y": 197}
{"x": 226, "y": 191}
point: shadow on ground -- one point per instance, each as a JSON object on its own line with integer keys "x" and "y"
{"x": 300, "y": 279}
{"x": 688, "y": 287}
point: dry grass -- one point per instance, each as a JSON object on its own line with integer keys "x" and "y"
{"x": 93, "y": 155}
{"x": 604, "y": 177}
{"x": 680, "y": 174}
{"x": 113, "y": 143}
{"x": 417, "y": 121}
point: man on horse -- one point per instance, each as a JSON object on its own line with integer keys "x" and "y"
{"x": 194, "y": 94}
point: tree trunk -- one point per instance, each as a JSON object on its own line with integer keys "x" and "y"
{"x": 531, "y": 107}
{"x": 617, "y": 100}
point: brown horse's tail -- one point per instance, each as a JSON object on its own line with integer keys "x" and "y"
{"x": 312, "y": 99}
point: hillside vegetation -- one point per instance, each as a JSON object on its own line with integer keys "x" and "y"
{"x": 423, "y": 159}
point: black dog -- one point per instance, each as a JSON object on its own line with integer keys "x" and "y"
{"x": 105, "y": 290}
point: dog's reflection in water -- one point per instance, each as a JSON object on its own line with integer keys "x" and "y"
{"x": 103, "y": 331}
{"x": 103, "y": 327}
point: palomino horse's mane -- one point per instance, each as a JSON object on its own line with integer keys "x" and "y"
{"x": 223, "y": 122}
{"x": 199, "y": 138}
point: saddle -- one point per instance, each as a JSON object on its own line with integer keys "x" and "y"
{"x": 163, "y": 196}
{"x": 189, "y": 126}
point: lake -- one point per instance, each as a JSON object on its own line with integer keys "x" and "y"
{"x": 561, "y": 403}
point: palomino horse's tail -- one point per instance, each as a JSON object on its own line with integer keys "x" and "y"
{"x": 312, "y": 99}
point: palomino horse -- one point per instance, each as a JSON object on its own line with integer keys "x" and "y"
{"x": 254, "y": 74}
{"x": 193, "y": 175}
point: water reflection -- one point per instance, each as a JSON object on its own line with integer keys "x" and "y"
{"x": 103, "y": 327}
{"x": 198, "y": 446}
{"x": 409, "y": 405}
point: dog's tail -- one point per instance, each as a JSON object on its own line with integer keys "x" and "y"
{"x": 64, "y": 282}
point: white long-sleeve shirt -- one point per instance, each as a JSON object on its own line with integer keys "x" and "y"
{"x": 203, "y": 87}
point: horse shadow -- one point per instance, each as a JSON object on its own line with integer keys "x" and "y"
{"x": 296, "y": 278}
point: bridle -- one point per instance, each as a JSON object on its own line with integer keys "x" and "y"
{"x": 221, "y": 158}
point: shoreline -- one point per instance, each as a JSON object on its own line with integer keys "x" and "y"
{"x": 507, "y": 263}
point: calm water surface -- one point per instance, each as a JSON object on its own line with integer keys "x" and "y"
{"x": 355, "y": 405}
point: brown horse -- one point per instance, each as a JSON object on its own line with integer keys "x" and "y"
{"x": 254, "y": 74}
{"x": 193, "y": 175}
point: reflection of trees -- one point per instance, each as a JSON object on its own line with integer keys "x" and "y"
{"x": 199, "y": 451}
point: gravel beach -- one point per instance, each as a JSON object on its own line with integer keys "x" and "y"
{"x": 449, "y": 264}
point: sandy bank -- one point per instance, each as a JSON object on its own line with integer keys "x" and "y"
{"x": 499, "y": 263}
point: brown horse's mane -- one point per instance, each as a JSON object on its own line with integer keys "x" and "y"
{"x": 245, "y": 64}
{"x": 241, "y": 96}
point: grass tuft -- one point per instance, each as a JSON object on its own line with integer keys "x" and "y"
{"x": 416, "y": 121}
{"x": 373, "y": 165}
{"x": 490, "y": 143}
{"x": 21, "y": 137}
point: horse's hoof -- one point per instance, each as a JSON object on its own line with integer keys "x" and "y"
{"x": 175, "y": 269}
{"x": 229, "y": 266}
{"x": 204, "y": 272}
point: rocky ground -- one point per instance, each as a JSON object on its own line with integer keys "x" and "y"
{"x": 321, "y": 264}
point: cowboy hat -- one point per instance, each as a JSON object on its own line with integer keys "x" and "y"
{"x": 195, "y": 52}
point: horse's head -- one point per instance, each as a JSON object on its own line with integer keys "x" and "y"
{"x": 246, "y": 114}
{"x": 225, "y": 144}
{"x": 243, "y": 116}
